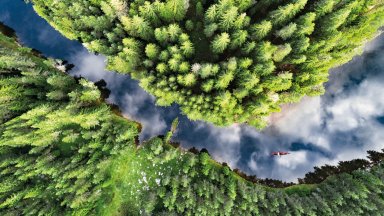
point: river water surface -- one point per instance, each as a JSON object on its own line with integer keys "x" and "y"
{"x": 340, "y": 125}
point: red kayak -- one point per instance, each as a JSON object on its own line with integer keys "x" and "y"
{"x": 279, "y": 153}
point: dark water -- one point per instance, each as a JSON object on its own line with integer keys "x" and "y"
{"x": 341, "y": 125}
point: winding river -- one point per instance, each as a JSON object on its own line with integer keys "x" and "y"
{"x": 340, "y": 125}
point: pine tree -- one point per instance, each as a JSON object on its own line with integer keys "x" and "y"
{"x": 170, "y": 37}
{"x": 50, "y": 155}
{"x": 220, "y": 43}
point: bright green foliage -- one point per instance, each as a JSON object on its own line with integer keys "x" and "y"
{"x": 152, "y": 51}
{"x": 57, "y": 138}
{"x": 220, "y": 43}
{"x": 287, "y": 31}
{"x": 182, "y": 183}
{"x": 300, "y": 37}
{"x": 64, "y": 152}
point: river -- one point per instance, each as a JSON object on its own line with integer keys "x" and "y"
{"x": 340, "y": 125}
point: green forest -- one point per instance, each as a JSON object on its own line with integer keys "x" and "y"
{"x": 65, "y": 151}
{"x": 227, "y": 61}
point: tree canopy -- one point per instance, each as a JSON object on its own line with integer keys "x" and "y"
{"x": 64, "y": 151}
{"x": 57, "y": 137}
{"x": 224, "y": 61}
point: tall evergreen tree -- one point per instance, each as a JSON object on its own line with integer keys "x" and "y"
{"x": 304, "y": 38}
{"x": 57, "y": 137}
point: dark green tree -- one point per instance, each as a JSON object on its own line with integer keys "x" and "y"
{"x": 145, "y": 39}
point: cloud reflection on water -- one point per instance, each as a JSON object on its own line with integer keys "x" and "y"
{"x": 341, "y": 125}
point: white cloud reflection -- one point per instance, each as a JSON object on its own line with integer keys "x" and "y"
{"x": 341, "y": 125}
{"x": 125, "y": 92}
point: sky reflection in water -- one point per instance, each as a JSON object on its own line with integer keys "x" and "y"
{"x": 341, "y": 125}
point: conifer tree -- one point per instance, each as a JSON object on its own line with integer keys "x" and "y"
{"x": 57, "y": 137}
{"x": 169, "y": 37}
